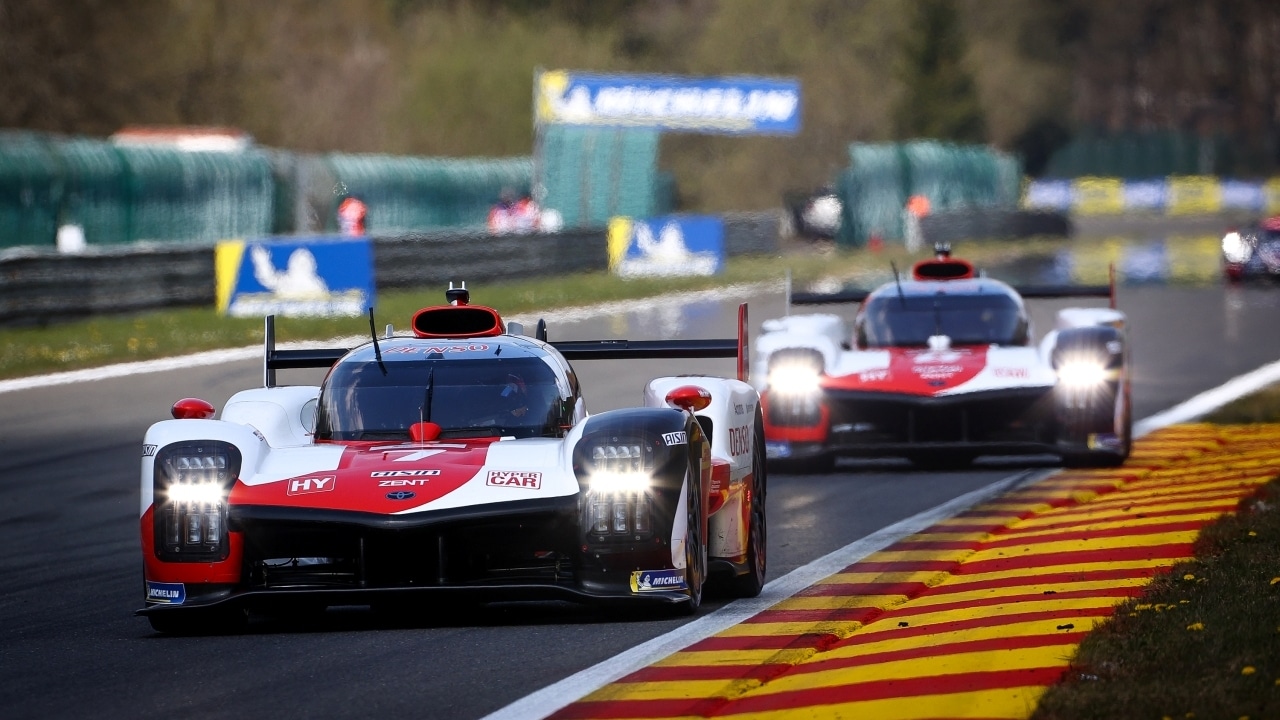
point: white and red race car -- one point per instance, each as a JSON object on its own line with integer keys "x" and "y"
{"x": 458, "y": 463}
{"x": 941, "y": 368}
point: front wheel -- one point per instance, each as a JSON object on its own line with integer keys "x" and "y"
{"x": 695, "y": 548}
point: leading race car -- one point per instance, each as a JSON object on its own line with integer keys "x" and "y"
{"x": 941, "y": 368}
{"x": 456, "y": 463}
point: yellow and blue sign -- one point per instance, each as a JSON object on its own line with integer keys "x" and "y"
{"x": 1179, "y": 195}
{"x": 723, "y": 105}
{"x": 666, "y": 246}
{"x": 326, "y": 276}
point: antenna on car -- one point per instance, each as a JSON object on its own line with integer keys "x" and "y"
{"x": 377, "y": 351}
{"x": 902, "y": 297}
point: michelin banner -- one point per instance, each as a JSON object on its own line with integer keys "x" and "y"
{"x": 666, "y": 246}
{"x": 730, "y": 105}
{"x": 295, "y": 277}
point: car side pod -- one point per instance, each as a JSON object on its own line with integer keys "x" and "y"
{"x": 192, "y": 409}
{"x": 689, "y": 397}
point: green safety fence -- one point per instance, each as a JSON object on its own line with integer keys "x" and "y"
{"x": 592, "y": 174}
{"x": 30, "y": 191}
{"x": 881, "y": 177}
{"x": 409, "y": 194}
{"x": 1147, "y": 154}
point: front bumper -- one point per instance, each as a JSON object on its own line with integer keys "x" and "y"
{"x": 530, "y": 550}
{"x": 1014, "y": 421}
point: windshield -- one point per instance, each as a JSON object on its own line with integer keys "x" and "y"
{"x": 893, "y": 321}
{"x": 466, "y": 398}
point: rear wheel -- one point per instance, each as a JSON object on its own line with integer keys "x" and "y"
{"x": 752, "y": 582}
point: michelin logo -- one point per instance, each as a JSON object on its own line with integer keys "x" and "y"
{"x": 166, "y": 593}
{"x": 657, "y": 580}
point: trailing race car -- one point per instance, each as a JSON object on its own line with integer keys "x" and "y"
{"x": 458, "y": 463}
{"x": 1252, "y": 252}
{"x": 941, "y": 368}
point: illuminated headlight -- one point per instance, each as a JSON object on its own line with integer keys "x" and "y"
{"x": 617, "y": 500}
{"x": 191, "y": 485}
{"x": 1082, "y": 374}
{"x": 794, "y": 379}
{"x": 1235, "y": 248}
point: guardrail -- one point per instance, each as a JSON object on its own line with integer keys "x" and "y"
{"x": 41, "y": 287}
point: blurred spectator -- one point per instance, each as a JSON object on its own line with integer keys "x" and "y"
{"x": 351, "y": 216}
{"x": 520, "y": 216}
{"x": 917, "y": 207}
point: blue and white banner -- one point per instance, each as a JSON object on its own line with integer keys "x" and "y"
{"x": 295, "y": 277}
{"x": 732, "y": 105}
{"x": 666, "y": 246}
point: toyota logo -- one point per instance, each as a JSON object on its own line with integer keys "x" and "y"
{"x": 400, "y": 495}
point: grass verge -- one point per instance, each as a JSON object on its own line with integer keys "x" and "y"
{"x": 1202, "y": 640}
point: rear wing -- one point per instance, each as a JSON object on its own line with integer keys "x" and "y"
{"x": 1026, "y": 291}
{"x": 274, "y": 359}
{"x": 664, "y": 349}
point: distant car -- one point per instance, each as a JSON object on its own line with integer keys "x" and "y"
{"x": 1252, "y": 252}
{"x": 458, "y": 462}
{"x": 940, "y": 367}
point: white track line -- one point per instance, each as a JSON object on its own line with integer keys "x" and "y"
{"x": 553, "y": 697}
{"x": 1210, "y": 400}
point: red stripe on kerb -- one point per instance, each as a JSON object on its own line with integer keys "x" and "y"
{"x": 767, "y": 672}
{"x": 1062, "y": 617}
{"x": 909, "y": 545}
{"x": 909, "y": 610}
{"x": 909, "y": 589}
{"x": 815, "y": 698}
{"x": 1117, "y": 516}
{"x": 1135, "y": 531}
{"x": 862, "y": 615}
{"x": 1171, "y": 552}
{"x": 1047, "y": 579}
{"x": 825, "y": 641}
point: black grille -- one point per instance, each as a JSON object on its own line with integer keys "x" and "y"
{"x": 864, "y": 418}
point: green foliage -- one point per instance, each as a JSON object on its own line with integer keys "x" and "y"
{"x": 941, "y": 100}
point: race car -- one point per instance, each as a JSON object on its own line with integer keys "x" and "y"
{"x": 1252, "y": 252}
{"x": 458, "y": 463}
{"x": 941, "y": 368}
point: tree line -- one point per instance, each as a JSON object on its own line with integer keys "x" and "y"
{"x": 454, "y": 77}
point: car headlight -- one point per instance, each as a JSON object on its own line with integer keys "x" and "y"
{"x": 794, "y": 378}
{"x": 192, "y": 480}
{"x": 617, "y": 500}
{"x": 1236, "y": 248}
{"x": 1081, "y": 374}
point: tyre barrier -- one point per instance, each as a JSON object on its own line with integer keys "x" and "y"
{"x": 950, "y": 226}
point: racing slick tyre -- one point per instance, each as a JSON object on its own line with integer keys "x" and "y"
{"x": 695, "y": 547}
{"x": 750, "y": 584}
{"x": 200, "y": 622}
